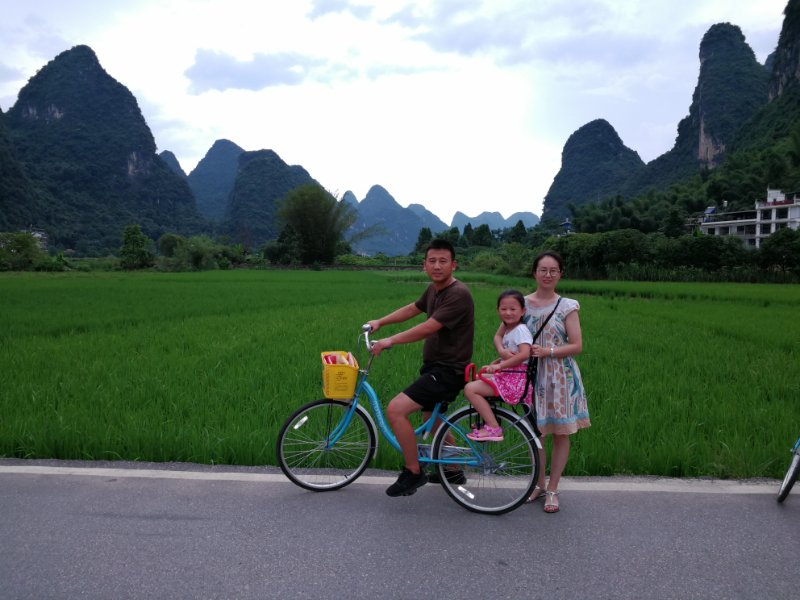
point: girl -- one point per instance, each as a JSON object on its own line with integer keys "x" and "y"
{"x": 516, "y": 342}
{"x": 561, "y": 407}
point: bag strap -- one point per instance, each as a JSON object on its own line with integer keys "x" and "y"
{"x": 541, "y": 327}
{"x": 533, "y": 370}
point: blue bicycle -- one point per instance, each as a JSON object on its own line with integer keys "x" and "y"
{"x": 327, "y": 444}
{"x": 791, "y": 473}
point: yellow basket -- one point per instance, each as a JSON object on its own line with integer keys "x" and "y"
{"x": 339, "y": 380}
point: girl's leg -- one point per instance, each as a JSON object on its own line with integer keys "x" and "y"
{"x": 476, "y": 392}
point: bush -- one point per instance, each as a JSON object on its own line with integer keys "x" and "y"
{"x": 489, "y": 262}
{"x": 169, "y": 243}
{"x": 135, "y": 252}
{"x": 518, "y": 258}
{"x": 20, "y": 251}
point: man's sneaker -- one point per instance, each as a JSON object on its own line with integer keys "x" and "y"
{"x": 455, "y": 476}
{"x": 407, "y": 483}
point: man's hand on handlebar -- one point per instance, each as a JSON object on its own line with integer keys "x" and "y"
{"x": 380, "y": 345}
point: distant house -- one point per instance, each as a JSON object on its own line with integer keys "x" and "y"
{"x": 40, "y": 236}
{"x": 779, "y": 210}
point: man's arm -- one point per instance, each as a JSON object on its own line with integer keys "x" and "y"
{"x": 414, "y": 334}
{"x": 404, "y": 313}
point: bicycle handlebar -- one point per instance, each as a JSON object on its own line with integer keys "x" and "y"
{"x": 367, "y": 329}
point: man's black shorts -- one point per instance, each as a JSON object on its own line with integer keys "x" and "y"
{"x": 436, "y": 383}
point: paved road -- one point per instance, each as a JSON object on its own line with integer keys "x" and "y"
{"x": 126, "y": 530}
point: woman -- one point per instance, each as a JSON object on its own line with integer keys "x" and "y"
{"x": 561, "y": 407}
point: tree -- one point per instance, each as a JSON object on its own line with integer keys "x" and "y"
{"x": 622, "y": 246}
{"x": 583, "y": 253}
{"x": 518, "y": 257}
{"x": 318, "y": 220}
{"x": 781, "y": 249}
{"x": 540, "y": 233}
{"x": 482, "y": 236}
{"x": 135, "y": 252}
{"x": 199, "y": 253}
{"x": 794, "y": 147}
{"x": 675, "y": 224}
{"x": 467, "y": 235}
{"x": 169, "y": 243}
{"x": 452, "y": 235}
{"x": 20, "y": 252}
{"x": 286, "y": 250}
{"x": 423, "y": 239}
{"x": 518, "y": 232}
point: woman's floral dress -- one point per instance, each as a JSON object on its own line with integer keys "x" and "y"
{"x": 561, "y": 406}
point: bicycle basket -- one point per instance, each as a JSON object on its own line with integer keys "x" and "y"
{"x": 339, "y": 374}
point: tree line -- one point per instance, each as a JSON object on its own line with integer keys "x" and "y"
{"x": 633, "y": 255}
{"x": 314, "y": 225}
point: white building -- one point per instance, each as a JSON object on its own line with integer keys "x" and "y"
{"x": 779, "y": 210}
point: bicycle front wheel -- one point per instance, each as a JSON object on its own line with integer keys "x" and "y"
{"x": 500, "y": 476}
{"x": 790, "y": 478}
{"x": 309, "y": 455}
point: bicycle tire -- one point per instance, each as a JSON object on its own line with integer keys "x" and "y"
{"x": 790, "y": 477}
{"x": 303, "y": 452}
{"x": 506, "y": 472}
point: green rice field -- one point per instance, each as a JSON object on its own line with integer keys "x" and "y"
{"x": 683, "y": 379}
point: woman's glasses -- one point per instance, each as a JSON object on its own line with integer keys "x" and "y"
{"x": 551, "y": 272}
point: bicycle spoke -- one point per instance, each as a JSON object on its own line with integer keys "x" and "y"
{"x": 499, "y": 475}
{"x": 310, "y": 459}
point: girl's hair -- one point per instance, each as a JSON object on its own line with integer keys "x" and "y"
{"x": 552, "y": 254}
{"x": 512, "y": 294}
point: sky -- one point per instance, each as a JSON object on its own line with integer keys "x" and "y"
{"x": 459, "y": 105}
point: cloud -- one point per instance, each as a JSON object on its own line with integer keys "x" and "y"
{"x": 320, "y": 8}
{"x": 612, "y": 34}
{"x": 439, "y": 14}
{"x": 219, "y": 71}
{"x": 510, "y": 34}
{"x": 455, "y": 26}
{"x": 213, "y": 70}
{"x": 478, "y": 35}
{"x": 627, "y": 50}
{"x": 9, "y": 73}
{"x": 382, "y": 70}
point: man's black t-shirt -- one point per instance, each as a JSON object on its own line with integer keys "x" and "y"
{"x": 454, "y": 309}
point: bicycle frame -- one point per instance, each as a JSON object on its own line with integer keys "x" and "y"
{"x": 424, "y": 430}
{"x": 379, "y": 419}
{"x": 328, "y": 443}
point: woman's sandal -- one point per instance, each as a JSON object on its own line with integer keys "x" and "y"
{"x": 538, "y": 492}
{"x": 551, "y": 503}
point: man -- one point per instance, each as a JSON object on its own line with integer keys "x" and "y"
{"x": 448, "y": 333}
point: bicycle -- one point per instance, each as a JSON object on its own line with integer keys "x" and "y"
{"x": 791, "y": 473}
{"x": 328, "y": 443}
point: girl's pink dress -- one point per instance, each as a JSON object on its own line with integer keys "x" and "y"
{"x": 510, "y": 383}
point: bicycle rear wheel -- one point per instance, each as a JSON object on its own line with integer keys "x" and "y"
{"x": 306, "y": 456}
{"x": 500, "y": 476}
{"x": 791, "y": 476}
